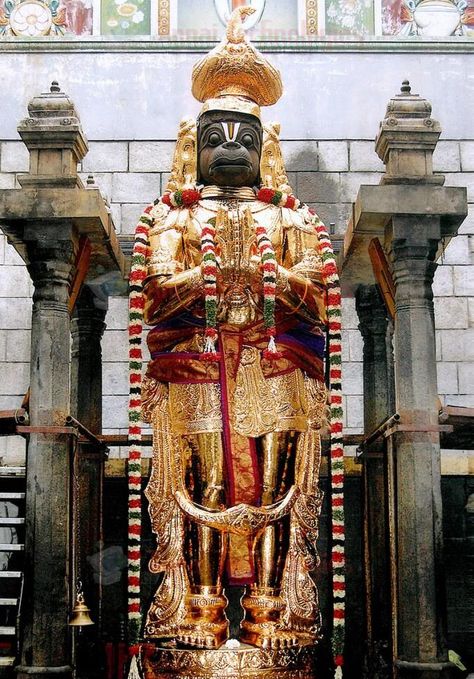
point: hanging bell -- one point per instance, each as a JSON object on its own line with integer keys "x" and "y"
{"x": 80, "y": 613}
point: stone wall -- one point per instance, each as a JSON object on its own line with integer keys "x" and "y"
{"x": 324, "y": 173}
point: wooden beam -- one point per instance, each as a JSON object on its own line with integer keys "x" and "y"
{"x": 383, "y": 275}
{"x": 81, "y": 269}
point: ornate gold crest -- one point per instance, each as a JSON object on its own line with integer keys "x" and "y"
{"x": 235, "y": 69}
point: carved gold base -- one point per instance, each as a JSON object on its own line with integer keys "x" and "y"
{"x": 245, "y": 662}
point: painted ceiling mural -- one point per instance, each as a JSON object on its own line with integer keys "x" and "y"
{"x": 281, "y": 20}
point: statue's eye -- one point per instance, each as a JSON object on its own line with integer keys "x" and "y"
{"x": 247, "y": 140}
{"x": 214, "y": 139}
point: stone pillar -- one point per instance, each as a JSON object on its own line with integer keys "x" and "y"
{"x": 87, "y": 329}
{"x": 56, "y": 143}
{"x": 47, "y": 221}
{"x": 376, "y": 330}
{"x": 405, "y": 143}
{"x": 86, "y": 405}
{"x": 46, "y": 647}
{"x": 420, "y": 580}
{"x": 411, "y": 213}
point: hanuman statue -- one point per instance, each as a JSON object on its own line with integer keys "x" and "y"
{"x": 234, "y": 389}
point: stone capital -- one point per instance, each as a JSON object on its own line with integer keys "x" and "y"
{"x": 413, "y": 252}
{"x": 417, "y": 230}
{"x": 376, "y": 330}
{"x": 55, "y": 139}
{"x": 50, "y": 260}
{"x": 88, "y": 320}
{"x": 406, "y": 140}
{"x": 413, "y": 212}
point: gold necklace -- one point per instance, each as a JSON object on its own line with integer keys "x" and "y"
{"x": 229, "y": 192}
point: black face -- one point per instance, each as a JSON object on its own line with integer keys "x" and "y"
{"x": 229, "y": 148}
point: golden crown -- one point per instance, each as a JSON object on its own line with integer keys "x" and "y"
{"x": 235, "y": 76}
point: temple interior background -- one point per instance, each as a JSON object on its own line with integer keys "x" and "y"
{"x": 127, "y": 67}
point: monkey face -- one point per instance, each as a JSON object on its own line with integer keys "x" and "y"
{"x": 229, "y": 148}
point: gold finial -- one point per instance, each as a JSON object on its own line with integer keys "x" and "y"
{"x": 235, "y": 76}
{"x": 235, "y": 31}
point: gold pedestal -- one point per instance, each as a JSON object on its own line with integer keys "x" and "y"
{"x": 245, "y": 662}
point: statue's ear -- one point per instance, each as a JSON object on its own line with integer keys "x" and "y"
{"x": 272, "y": 167}
{"x": 184, "y": 170}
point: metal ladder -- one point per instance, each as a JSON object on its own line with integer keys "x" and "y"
{"x": 12, "y": 547}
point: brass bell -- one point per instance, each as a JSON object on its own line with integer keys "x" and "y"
{"x": 80, "y": 613}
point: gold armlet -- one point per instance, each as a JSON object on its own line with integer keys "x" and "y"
{"x": 283, "y": 280}
{"x": 194, "y": 282}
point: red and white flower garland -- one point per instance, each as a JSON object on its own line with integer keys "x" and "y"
{"x": 135, "y": 331}
{"x": 209, "y": 272}
{"x": 269, "y": 264}
{"x": 331, "y": 279}
{"x": 278, "y": 198}
{"x": 185, "y": 198}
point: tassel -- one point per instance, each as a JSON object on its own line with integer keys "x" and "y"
{"x": 338, "y": 672}
{"x": 210, "y": 345}
{"x": 209, "y": 352}
{"x": 271, "y": 352}
{"x": 134, "y": 671}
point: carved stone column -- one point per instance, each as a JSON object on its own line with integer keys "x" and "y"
{"x": 46, "y": 647}
{"x": 54, "y": 137}
{"x": 378, "y": 405}
{"x": 411, "y": 213}
{"x": 86, "y": 385}
{"x": 406, "y": 142}
{"x": 46, "y": 220}
{"x": 86, "y": 405}
{"x": 420, "y": 582}
{"x": 376, "y": 332}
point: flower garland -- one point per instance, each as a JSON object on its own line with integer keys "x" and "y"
{"x": 278, "y": 198}
{"x": 135, "y": 332}
{"x": 331, "y": 279}
{"x": 209, "y": 272}
{"x": 269, "y": 264}
{"x": 184, "y": 198}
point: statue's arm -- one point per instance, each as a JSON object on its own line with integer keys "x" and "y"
{"x": 299, "y": 279}
{"x": 301, "y": 294}
{"x": 170, "y": 287}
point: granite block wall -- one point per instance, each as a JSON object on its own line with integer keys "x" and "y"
{"x": 324, "y": 173}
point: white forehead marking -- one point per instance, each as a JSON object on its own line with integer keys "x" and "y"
{"x": 231, "y": 130}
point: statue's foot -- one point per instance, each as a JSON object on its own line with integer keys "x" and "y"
{"x": 262, "y": 625}
{"x": 204, "y": 635}
{"x": 268, "y": 635}
{"x": 205, "y": 625}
